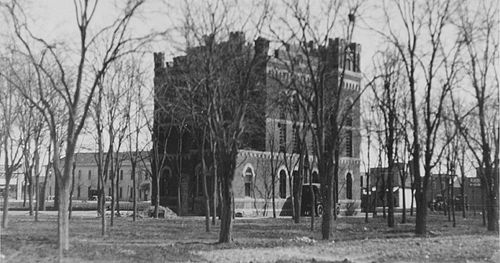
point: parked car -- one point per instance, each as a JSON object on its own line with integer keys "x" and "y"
{"x": 307, "y": 200}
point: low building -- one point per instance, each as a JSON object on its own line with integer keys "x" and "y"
{"x": 86, "y": 178}
{"x": 378, "y": 187}
{"x": 15, "y": 185}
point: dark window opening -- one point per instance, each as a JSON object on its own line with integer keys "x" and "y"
{"x": 282, "y": 179}
{"x": 315, "y": 177}
{"x": 348, "y": 192}
{"x": 296, "y": 139}
{"x": 348, "y": 144}
{"x": 282, "y": 139}
{"x": 248, "y": 182}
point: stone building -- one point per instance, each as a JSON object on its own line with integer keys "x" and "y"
{"x": 269, "y": 144}
{"x": 85, "y": 184}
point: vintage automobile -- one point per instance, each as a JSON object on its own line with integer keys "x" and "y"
{"x": 307, "y": 200}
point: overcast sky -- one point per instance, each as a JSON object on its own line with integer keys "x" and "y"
{"x": 55, "y": 21}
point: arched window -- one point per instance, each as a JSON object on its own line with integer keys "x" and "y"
{"x": 282, "y": 179}
{"x": 248, "y": 177}
{"x": 315, "y": 177}
{"x": 348, "y": 192}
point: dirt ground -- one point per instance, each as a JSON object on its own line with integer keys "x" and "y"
{"x": 254, "y": 240}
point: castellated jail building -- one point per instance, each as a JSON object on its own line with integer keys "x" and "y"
{"x": 269, "y": 144}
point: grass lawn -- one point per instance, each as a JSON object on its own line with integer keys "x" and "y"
{"x": 255, "y": 240}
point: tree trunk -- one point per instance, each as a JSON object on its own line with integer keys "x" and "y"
{"x": 63, "y": 220}
{"x": 113, "y": 199}
{"x": 30, "y": 192}
{"x": 298, "y": 189}
{"x": 228, "y": 163}
{"x": 204, "y": 181}
{"x": 313, "y": 199}
{"x": 375, "y": 197}
{"x": 291, "y": 187}
{"x": 179, "y": 196}
{"x": 390, "y": 196}
{"x": 483, "y": 202}
{"x": 492, "y": 212}
{"x": 71, "y": 193}
{"x": 403, "y": 216}
{"x": 421, "y": 217}
{"x": 37, "y": 195}
{"x": 157, "y": 202}
{"x": 56, "y": 193}
{"x": 206, "y": 197}
{"x": 215, "y": 192}
{"x": 102, "y": 204}
{"x": 118, "y": 196}
{"x": 5, "y": 202}
{"x": 227, "y": 208}
{"x": 25, "y": 190}
{"x": 273, "y": 190}
{"x": 412, "y": 190}
{"x": 327, "y": 193}
{"x": 43, "y": 204}
{"x": 453, "y": 204}
{"x": 134, "y": 192}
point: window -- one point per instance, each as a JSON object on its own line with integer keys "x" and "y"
{"x": 348, "y": 192}
{"x": 296, "y": 139}
{"x": 282, "y": 142}
{"x": 348, "y": 120}
{"x": 295, "y": 179}
{"x": 282, "y": 110}
{"x": 79, "y": 175}
{"x": 121, "y": 174}
{"x": 168, "y": 183}
{"x": 248, "y": 177}
{"x": 196, "y": 187}
{"x": 348, "y": 144}
{"x": 121, "y": 193}
{"x": 78, "y": 192}
{"x": 296, "y": 107}
{"x": 315, "y": 177}
{"x": 109, "y": 191}
{"x": 282, "y": 179}
{"x": 90, "y": 175}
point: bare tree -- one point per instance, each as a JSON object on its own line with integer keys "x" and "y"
{"x": 325, "y": 88}
{"x": 388, "y": 95}
{"x": 12, "y": 143}
{"x": 424, "y": 52}
{"x": 74, "y": 82}
{"x": 478, "y": 27}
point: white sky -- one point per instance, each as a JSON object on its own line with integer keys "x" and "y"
{"x": 55, "y": 20}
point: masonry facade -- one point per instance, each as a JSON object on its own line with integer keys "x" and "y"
{"x": 86, "y": 180}
{"x": 269, "y": 147}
